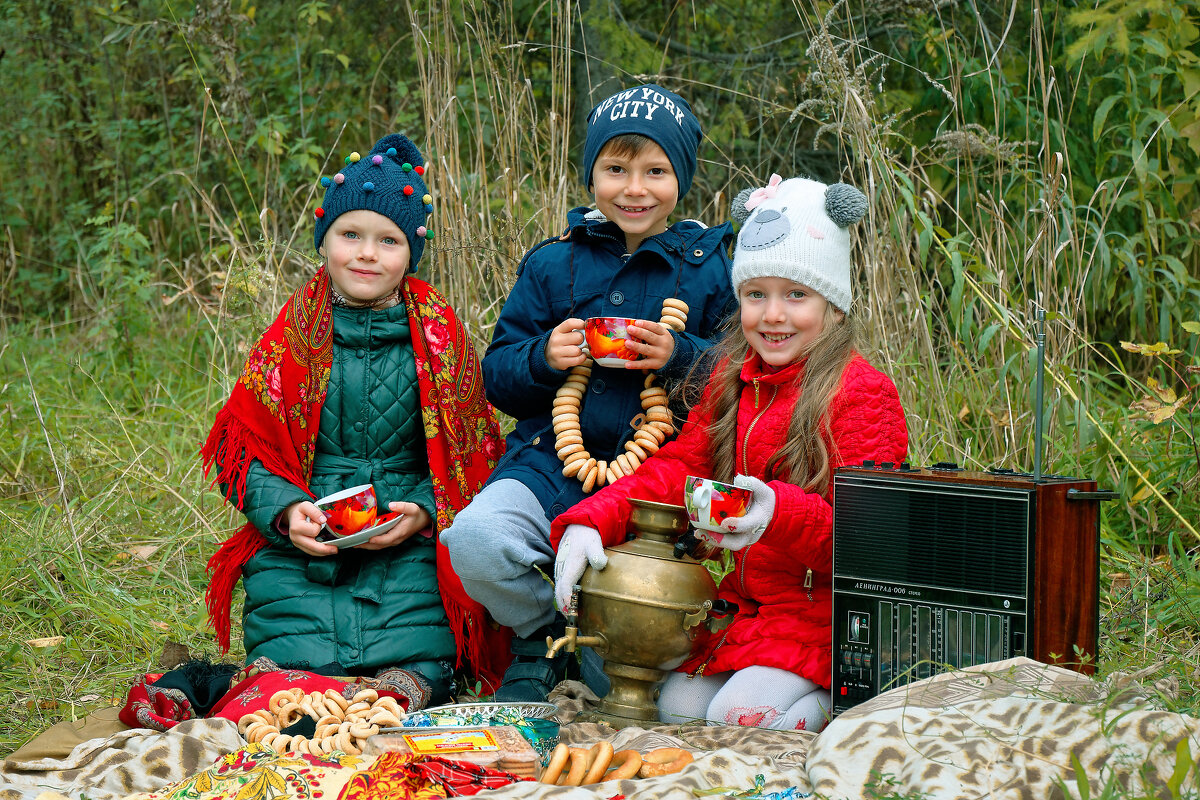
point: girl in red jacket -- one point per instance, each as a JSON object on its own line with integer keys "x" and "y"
{"x": 790, "y": 401}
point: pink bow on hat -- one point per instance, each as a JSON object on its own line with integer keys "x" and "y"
{"x": 760, "y": 195}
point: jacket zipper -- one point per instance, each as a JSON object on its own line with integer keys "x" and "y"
{"x": 746, "y": 470}
{"x": 746, "y": 438}
{"x": 808, "y": 583}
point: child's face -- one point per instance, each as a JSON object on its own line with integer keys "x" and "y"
{"x": 366, "y": 255}
{"x": 781, "y": 318}
{"x": 637, "y": 192}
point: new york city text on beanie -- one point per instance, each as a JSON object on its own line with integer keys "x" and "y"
{"x": 389, "y": 181}
{"x": 797, "y": 229}
{"x": 651, "y": 111}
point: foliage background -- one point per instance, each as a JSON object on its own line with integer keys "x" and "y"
{"x": 162, "y": 165}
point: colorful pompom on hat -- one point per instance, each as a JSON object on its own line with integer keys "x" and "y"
{"x": 387, "y": 181}
{"x": 798, "y": 229}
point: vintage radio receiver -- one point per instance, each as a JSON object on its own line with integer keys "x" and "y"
{"x": 944, "y": 568}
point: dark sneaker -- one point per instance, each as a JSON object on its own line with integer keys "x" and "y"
{"x": 531, "y": 675}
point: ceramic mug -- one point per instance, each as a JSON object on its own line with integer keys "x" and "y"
{"x": 709, "y": 502}
{"x": 349, "y": 511}
{"x": 605, "y": 337}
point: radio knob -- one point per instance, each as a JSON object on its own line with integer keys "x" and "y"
{"x": 886, "y": 465}
{"x": 868, "y": 463}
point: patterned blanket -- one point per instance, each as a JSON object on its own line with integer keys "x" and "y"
{"x": 1012, "y": 729}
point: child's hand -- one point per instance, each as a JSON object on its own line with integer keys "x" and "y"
{"x": 748, "y": 529}
{"x": 304, "y": 521}
{"x": 564, "y": 348}
{"x": 653, "y": 342}
{"x": 580, "y": 546}
{"x": 416, "y": 519}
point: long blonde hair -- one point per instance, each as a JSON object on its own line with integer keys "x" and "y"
{"x": 803, "y": 458}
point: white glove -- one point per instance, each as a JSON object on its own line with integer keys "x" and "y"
{"x": 748, "y": 529}
{"x": 580, "y": 546}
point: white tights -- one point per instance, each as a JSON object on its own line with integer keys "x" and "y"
{"x": 762, "y": 697}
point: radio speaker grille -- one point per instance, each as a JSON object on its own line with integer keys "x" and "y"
{"x": 946, "y": 537}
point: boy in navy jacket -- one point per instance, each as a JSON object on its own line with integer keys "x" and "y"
{"x": 620, "y": 260}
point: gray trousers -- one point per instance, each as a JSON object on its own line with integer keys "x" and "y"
{"x": 500, "y": 549}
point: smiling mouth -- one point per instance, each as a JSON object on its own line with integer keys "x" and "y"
{"x": 636, "y": 209}
{"x": 776, "y": 338}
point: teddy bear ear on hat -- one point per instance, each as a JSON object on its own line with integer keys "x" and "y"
{"x": 400, "y": 148}
{"x": 845, "y": 204}
{"x": 738, "y": 211}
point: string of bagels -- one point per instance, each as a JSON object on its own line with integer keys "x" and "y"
{"x": 652, "y": 426}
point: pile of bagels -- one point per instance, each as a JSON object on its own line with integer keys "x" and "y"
{"x": 342, "y": 724}
{"x": 581, "y": 766}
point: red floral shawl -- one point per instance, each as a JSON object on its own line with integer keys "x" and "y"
{"x": 275, "y": 408}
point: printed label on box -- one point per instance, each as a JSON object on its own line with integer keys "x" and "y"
{"x": 434, "y": 743}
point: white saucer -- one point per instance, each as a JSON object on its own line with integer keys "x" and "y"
{"x": 614, "y": 361}
{"x": 363, "y": 535}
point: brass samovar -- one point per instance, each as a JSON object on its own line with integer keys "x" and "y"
{"x": 641, "y": 613}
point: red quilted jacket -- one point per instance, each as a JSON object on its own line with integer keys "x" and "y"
{"x": 781, "y": 622}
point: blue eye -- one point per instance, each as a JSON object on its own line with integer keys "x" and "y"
{"x": 350, "y": 235}
{"x": 389, "y": 240}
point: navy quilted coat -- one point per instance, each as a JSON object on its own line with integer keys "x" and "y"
{"x": 782, "y": 582}
{"x": 592, "y": 276}
{"x": 363, "y": 609}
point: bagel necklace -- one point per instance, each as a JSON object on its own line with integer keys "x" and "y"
{"x": 653, "y": 425}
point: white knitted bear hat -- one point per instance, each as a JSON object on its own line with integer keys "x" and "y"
{"x": 797, "y": 229}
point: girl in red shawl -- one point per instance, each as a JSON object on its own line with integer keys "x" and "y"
{"x": 366, "y": 377}
{"x": 790, "y": 401}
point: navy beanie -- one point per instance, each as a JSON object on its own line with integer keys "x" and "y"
{"x": 653, "y": 112}
{"x": 389, "y": 182}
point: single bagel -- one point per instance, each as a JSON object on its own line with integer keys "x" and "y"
{"x": 589, "y": 482}
{"x": 334, "y": 697}
{"x": 568, "y": 449}
{"x": 599, "y": 757}
{"x": 575, "y": 466}
{"x": 290, "y": 714}
{"x": 615, "y": 472}
{"x": 673, "y": 313}
{"x": 282, "y": 697}
{"x": 580, "y": 761}
{"x": 625, "y": 764}
{"x": 562, "y": 426}
{"x": 390, "y": 704}
{"x": 664, "y": 761}
{"x": 634, "y": 448}
{"x": 674, "y": 324}
{"x": 675, "y": 302}
{"x": 558, "y": 760}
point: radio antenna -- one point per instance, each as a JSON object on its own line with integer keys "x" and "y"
{"x": 1041, "y": 369}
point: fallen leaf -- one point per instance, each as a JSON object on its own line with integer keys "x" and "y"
{"x": 143, "y": 552}
{"x": 48, "y": 641}
{"x": 89, "y": 698}
{"x": 963, "y": 413}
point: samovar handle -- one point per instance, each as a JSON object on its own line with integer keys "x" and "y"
{"x": 694, "y": 618}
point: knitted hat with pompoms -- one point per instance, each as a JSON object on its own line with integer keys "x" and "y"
{"x": 389, "y": 181}
{"x": 797, "y": 229}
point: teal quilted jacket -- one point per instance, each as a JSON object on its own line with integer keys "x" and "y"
{"x": 361, "y": 609}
